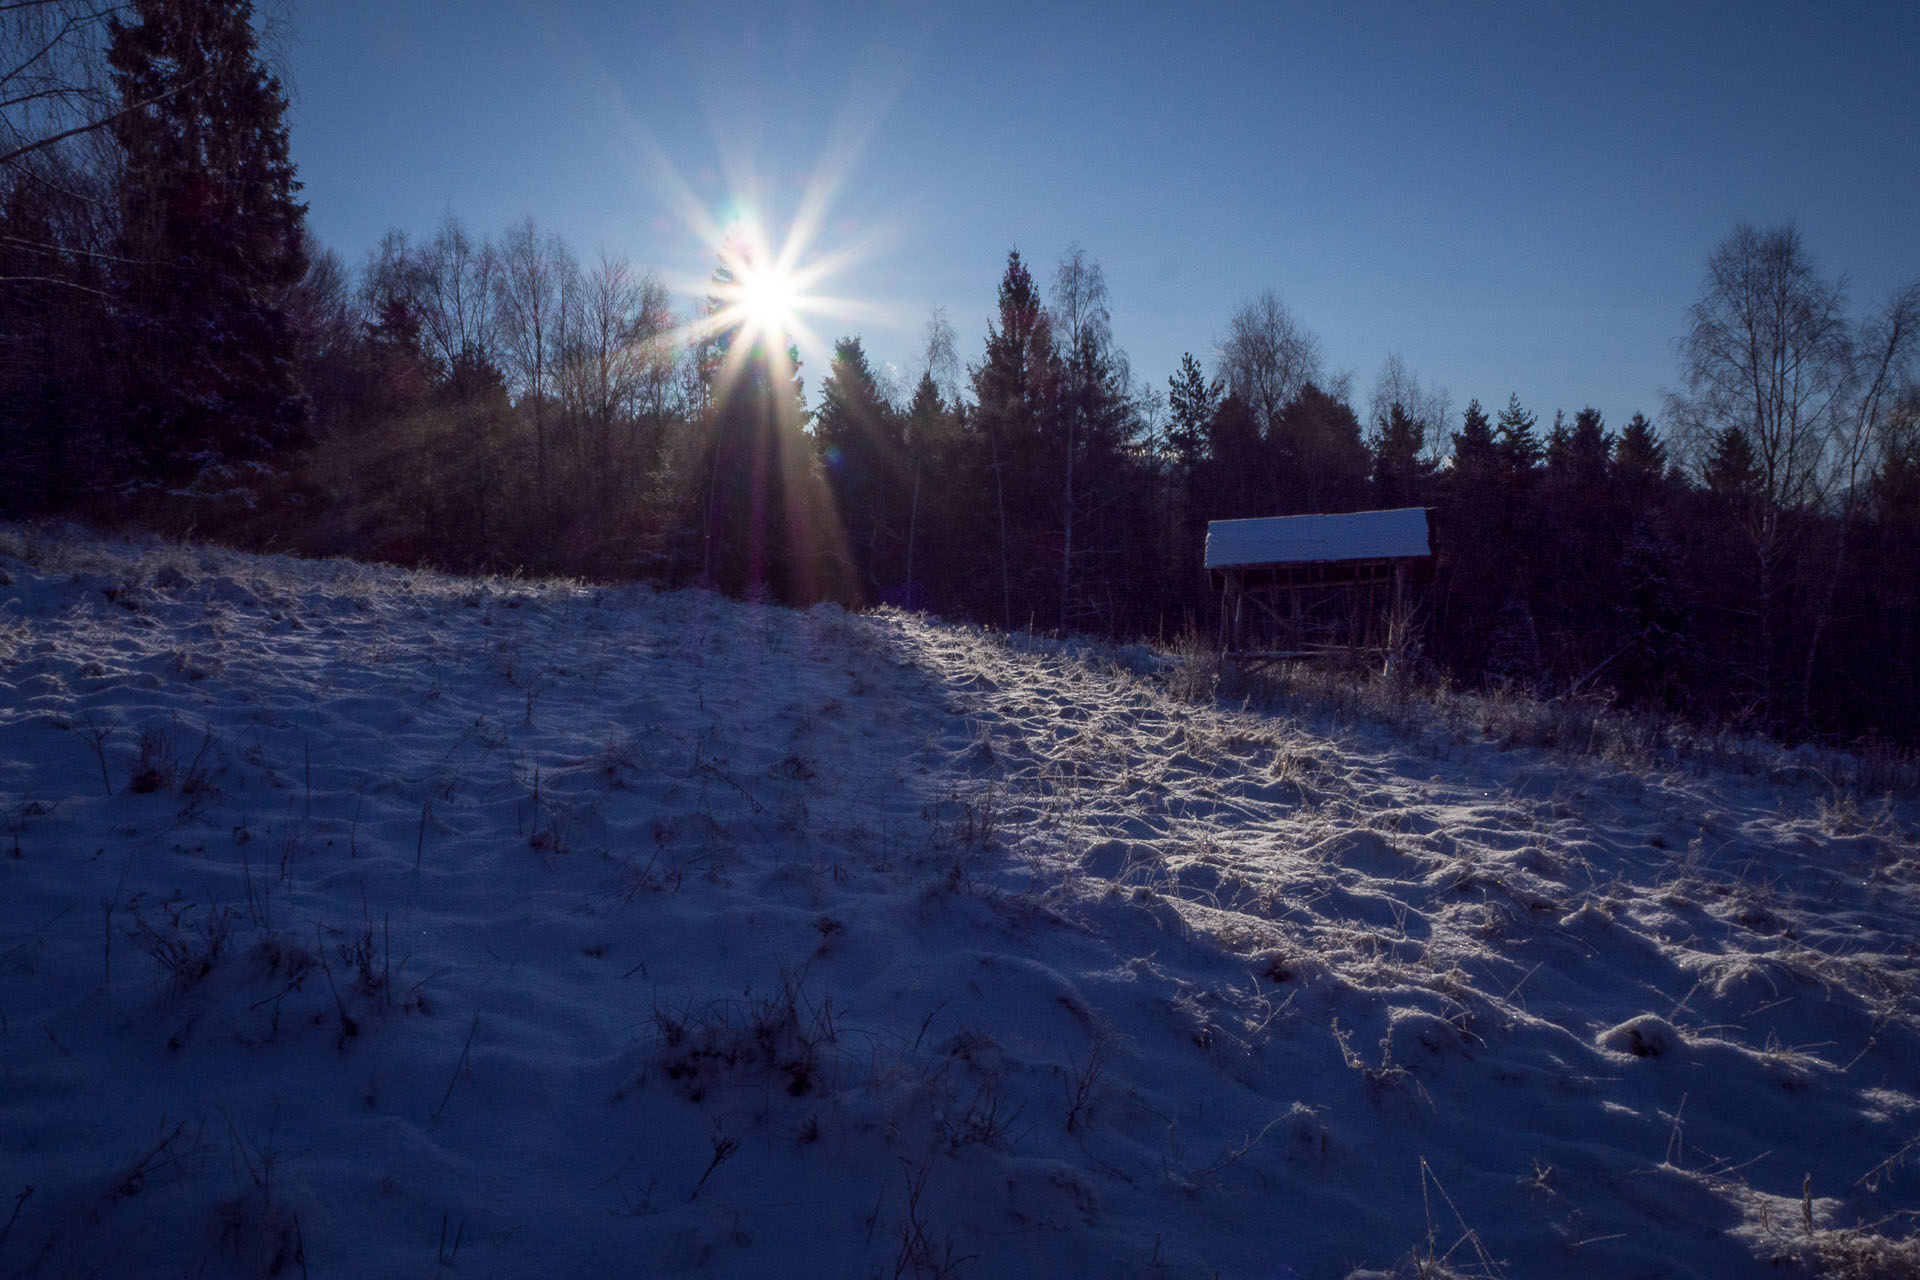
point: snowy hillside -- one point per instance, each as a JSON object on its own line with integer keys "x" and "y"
{"x": 358, "y": 922}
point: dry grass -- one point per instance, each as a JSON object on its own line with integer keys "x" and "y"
{"x": 1414, "y": 705}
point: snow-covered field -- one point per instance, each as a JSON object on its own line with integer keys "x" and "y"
{"x": 358, "y": 922}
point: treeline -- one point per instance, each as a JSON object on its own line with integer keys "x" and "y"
{"x": 173, "y": 348}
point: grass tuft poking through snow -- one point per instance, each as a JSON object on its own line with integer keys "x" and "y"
{"x": 364, "y": 922}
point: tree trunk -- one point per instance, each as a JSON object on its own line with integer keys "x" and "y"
{"x": 913, "y": 520}
{"x": 1824, "y": 613}
{"x": 1066, "y": 546}
{"x": 1000, "y": 498}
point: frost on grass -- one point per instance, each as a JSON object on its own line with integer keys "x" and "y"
{"x": 358, "y": 921}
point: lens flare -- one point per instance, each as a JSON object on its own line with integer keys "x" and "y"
{"x": 758, "y": 293}
{"x": 769, "y": 292}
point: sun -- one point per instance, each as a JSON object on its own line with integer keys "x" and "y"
{"x": 762, "y": 296}
{"x": 773, "y": 286}
{"x": 766, "y": 297}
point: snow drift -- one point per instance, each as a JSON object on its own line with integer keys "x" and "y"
{"x": 365, "y": 922}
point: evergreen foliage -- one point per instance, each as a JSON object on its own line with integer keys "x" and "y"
{"x": 1474, "y": 451}
{"x": 1519, "y": 449}
{"x": 1401, "y": 474}
{"x": 1640, "y": 459}
{"x": 211, "y": 238}
{"x": 861, "y": 445}
{"x": 1191, "y": 401}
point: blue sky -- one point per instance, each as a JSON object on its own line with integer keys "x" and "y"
{"x": 1516, "y": 198}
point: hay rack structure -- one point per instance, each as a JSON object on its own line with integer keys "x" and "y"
{"x": 1298, "y": 587}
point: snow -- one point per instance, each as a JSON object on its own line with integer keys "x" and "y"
{"x": 496, "y": 927}
{"x": 1358, "y": 535}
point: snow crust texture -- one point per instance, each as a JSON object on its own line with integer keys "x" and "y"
{"x": 365, "y": 922}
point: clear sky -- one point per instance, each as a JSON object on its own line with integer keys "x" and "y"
{"x": 1516, "y": 198}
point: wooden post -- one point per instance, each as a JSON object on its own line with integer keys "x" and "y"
{"x": 1394, "y": 637}
{"x": 1239, "y": 607}
{"x": 1226, "y": 592}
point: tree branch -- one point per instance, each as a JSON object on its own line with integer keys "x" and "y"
{"x": 102, "y": 123}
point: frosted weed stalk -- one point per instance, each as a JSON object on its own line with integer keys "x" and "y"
{"x": 186, "y": 951}
{"x": 783, "y": 1032}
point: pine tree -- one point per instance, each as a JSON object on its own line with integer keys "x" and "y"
{"x": 1016, "y": 379}
{"x": 1476, "y": 546}
{"x": 1192, "y": 401}
{"x": 1559, "y": 442}
{"x": 928, "y": 435}
{"x": 1655, "y": 618}
{"x": 212, "y": 237}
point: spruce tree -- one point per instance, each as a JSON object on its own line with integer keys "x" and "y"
{"x": 1732, "y": 471}
{"x": 1473, "y": 444}
{"x": 1320, "y": 462}
{"x": 1589, "y": 449}
{"x": 1191, "y": 401}
{"x": 1399, "y": 475}
{"x": 859, "y": 439}
{"x": 211, "y": 238}
{"x": 1518, "y": 446}
{"x": 1014, "y": 388}
{"x": 1641, "y": 458}
{"x": 763, "y": 507}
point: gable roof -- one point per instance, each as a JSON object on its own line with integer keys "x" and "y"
{"x": 1400, "y": 534}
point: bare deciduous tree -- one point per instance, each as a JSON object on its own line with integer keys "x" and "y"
{"x": 457, "y": 299}
{"x": 1268, "y": 355}
{"x": 532, "y": 270}
{"x": 1767, "y": 352}
{"x": 940, "y": 359}
{"x": 617, "y": 362}
{"x": 940, "y": 372}
{"x": 1426, "y": 407}
{"x": 1769, "y": 358}
{"x": 53, "y": 76}
{"x": 1082, "y": 326}
{"x": 1882, "y": 353}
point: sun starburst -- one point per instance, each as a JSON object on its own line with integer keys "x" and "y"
{"x": 767, "y": 293}
{"x": 761, "y": 292}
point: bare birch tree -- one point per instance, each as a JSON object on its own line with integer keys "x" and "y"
{"x": 1082, "y": 326}
{"x": 939, "y": 372}
{"x": 1882, "y": 351}
{"x": 1267, "y": 357}
{"x": 1425, "y": 407}
{"x": 1767, "y": 355}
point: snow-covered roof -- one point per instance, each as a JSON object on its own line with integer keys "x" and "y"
{"x": 1357, "y": 535}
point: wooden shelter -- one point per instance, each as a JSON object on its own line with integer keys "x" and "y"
{"x": 1306, "y": 586}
